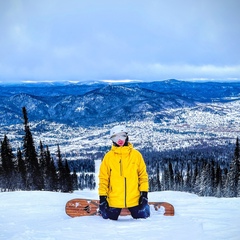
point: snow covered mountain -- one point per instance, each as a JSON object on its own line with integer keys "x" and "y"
{"x": 98, "y": 104}
{"x": 161, "y": 115}
{"x": 103, "y": 105}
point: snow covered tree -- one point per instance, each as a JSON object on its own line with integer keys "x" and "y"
{"x": 86, "y": 181}
{"x": 205, "y": 185}
{"x": 195, "y": 176}
{"x": 218, "y": 182}
{"x": 187, "y": 179}
{"x": 168, "y": 177}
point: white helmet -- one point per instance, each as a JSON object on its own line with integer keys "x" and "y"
{"x": 118, "y": 129}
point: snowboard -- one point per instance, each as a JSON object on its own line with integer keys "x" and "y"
{"x": 79, "y": 207}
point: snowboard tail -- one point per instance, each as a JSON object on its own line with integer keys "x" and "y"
{"x": 87, "y": 207}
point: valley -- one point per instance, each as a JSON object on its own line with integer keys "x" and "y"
{"x": 156, "y": 121}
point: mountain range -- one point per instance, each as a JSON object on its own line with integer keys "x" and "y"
{"x": 162, "y": 115}
{"x": 101, "y": 103}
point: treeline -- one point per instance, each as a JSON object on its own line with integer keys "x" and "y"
{"x": 206, "y": 172}
{"x": 197, "y": 173}
{"x": 31, "y": 171}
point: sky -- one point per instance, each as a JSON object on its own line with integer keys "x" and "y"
{"x": 143, "y": 40}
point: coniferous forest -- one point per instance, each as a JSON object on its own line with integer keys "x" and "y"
{"x": 29, "y": 170}
{"x": 197, "y": 171}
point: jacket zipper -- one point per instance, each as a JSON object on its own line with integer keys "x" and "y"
{"x": 125, "y": 184}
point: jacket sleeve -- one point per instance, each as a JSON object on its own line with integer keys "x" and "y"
{"x": 104, "y": 176}
{"x": 143, "y": 176}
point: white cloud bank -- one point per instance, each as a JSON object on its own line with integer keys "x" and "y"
{"x": 147, "y": 40}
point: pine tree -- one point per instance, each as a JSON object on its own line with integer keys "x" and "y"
{"x": 64, "y": 176}
{"x": 74, "y": 180}
{"x": 42, "y": 167}
{"x": 49, "y": 172}
{"x": 8, "y": 166}
{"x": 53, "y": 184}
{"x": 233, "y": 174}
{"x": 165, "y": 179}
{"x": 171, "y": 176}
{"x": 150, "y": 181}
{"x": 194, "y": 178}
{"x": 204, "y": 184}
{"x": 212, "y": 179}
{"x": 187, "y": 182}
{"x": 218, "y": 182}
{"x": 81, "y": 182}
{"x": 168, "y": 177}
{"x": 21, "y": 169}
{"x": 92, "y": 183}
{"x": 158, "y": 178}
{"x": 33, "y": 178}
{"x": 68, "y": 185}
{"x": 178, "y": 179}
{"x": 60, "y": 169}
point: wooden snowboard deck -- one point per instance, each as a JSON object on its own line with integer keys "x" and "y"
{"x": 87, "y": 207}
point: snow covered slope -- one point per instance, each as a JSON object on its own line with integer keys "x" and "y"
{"x": 41, "y": 215}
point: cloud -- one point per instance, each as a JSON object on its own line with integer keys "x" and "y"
{"x": 192, "y": 72}
{"x": 83, "y": 40}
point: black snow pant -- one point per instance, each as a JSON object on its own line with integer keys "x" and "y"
{"x": 136, "y": 212}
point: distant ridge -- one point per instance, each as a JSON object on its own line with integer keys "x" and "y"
{"x": 103, "y": 103}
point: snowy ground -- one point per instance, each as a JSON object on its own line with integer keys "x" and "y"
{"x": 41, "y": 215}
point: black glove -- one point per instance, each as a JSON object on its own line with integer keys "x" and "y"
{"x": 103, "y": 206}
{"x": 143, "y": 200}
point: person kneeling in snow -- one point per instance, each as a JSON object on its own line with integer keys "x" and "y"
{"x": 123, "y": 179}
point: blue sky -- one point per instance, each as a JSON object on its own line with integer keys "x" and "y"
{"x": 119, "y": 39}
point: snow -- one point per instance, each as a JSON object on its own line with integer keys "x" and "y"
{"x": 41, "y": 215}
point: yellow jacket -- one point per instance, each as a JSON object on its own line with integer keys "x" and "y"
{"x": 123, "y": 176}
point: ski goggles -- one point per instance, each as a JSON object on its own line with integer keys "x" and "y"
{"x": 120, "y": 136}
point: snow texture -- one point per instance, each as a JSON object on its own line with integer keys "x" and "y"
{"x": 41, "y": 215}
